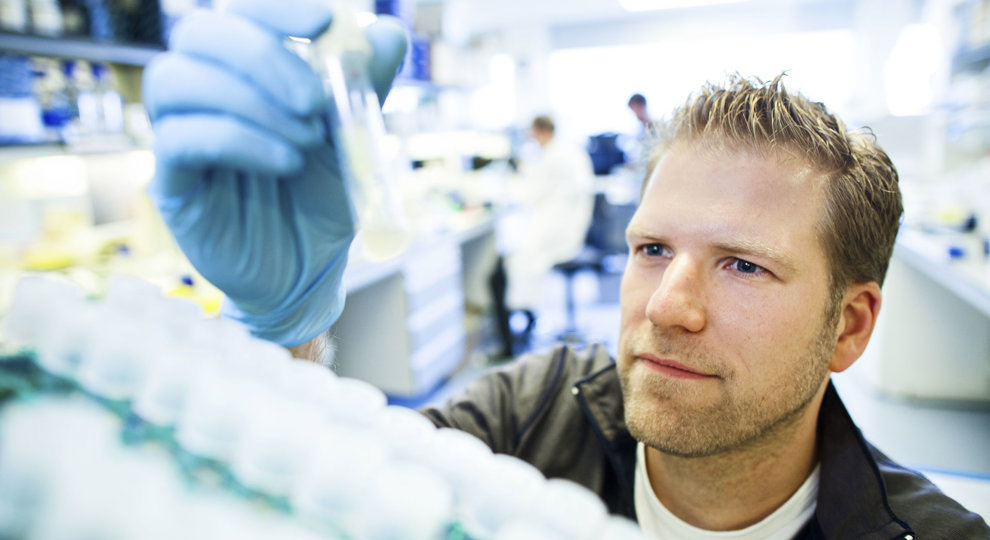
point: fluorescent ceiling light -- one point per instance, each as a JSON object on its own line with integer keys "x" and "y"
{"x": 651, "y": 5}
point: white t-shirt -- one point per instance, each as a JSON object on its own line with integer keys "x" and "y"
{"x": 658, "y": 522}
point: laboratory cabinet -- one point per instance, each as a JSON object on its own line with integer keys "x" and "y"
{"x": 403, "y": 327}
{"x": 934, "y": 325}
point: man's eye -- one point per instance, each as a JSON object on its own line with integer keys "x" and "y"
{"x": 746, "y": 267}
{"x": 653, "y": 250}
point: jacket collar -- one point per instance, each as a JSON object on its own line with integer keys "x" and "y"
{"x": 600, "y": 397}
{"x": 852, "y": 499}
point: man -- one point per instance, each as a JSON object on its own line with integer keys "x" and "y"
{"x": 637, "y": 104}
{"x": 641, "y": 146}
{"x": 555, "y": 196}
{"x": 756, "y": 259}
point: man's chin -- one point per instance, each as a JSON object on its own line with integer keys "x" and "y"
{"x": 674, "y": 442}
{"x": 663, "y": 424}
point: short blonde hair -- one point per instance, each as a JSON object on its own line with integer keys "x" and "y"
{"x": 863, "y": 205}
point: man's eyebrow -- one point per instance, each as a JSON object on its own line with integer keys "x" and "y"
{"x": 636, "y": 232}
{"x": 747, "y": 247}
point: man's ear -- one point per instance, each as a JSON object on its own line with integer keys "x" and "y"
{"x": 857, "y": 318}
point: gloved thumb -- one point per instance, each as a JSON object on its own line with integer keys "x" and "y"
{"x": 388, "y": 42}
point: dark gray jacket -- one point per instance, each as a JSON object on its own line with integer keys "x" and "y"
{"x": 563, "y": 413}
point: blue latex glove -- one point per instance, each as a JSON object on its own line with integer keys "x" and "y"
{"x": 247, "y": 178}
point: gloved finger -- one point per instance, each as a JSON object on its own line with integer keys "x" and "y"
{"x": 388, "y": 42}
{"x": 187, "y": 145}
{"x": 177, "y": 84}
{"x": 299, "y": 18}
{"x": 253, "y": 53}
{"x": 309, "y": 18}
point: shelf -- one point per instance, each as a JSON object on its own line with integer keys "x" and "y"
{"x": 78, "y": 48}
{"x": 972, "y": 59}
{"x": 110, "y": 144}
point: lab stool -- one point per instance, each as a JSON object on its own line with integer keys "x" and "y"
{"x": 588, "y": 259}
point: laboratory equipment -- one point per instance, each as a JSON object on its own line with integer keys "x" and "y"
{"x": 340, "y": 57}
{"x": 175, "y": 437}
{"x": 570, "y": 509}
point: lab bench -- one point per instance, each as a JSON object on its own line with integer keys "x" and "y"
{"x": 934, "y": 325}
{"x": 403, "y": 327}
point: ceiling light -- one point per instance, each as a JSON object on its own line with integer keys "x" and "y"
{"x": 651, "y": 5}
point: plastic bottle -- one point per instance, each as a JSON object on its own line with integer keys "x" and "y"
{"x": 176, "y": 317}
{"x": 50, "y": 86}
{"x": 272, "y": 448}
{"x": 412, "y": 503}
{"x": 336, "y": 490}
{"x": 257, "y": 360}
{"x": 161, "y": 396}
{"x": 164, "y": 355}
{"x": 526, "y": 530}
{"x": 210, "y": 425}
{"x": 620, "y": 528}
{"x": 46, "y": 17}
{"x": 505, "y": 492}
{"x": 90, "y": 121}
{"x": 307, "y": 383}
{"x": 355, "y": 403}
{"x": 340, "y": 57}
{"x": 35, "y": 458}
{"x": 36, "y": 298}
{"x": 116, "y": 359}
{"x": 111, "y": 105}
{"x": 20, "y": 110}
{"x": 71, "y": 91}
{"x": 67, "y": 334}
{"x": 221, "y": 338}
{"x": 130, "y": 294}
{"x": 457, "y": 456}
{"x": 570, "y": 509}
{"x": 13, "y": 15}
{"x": 407, "y": 434}
{"x": 114, "y": 494}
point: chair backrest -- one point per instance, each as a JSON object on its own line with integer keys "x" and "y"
{"x": 605, "y": 152}
{"x": 607, "y": 232}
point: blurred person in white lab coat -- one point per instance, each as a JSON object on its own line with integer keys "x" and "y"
{"x": 555, "y": 192}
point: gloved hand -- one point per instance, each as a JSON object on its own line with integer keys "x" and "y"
{"x": 247, "y": 178}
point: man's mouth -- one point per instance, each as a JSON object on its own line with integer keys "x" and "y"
{"x": 672, "y": 368}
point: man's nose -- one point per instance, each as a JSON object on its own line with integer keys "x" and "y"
{"x": 679, "y": 299}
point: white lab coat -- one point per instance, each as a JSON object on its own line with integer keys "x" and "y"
{"x": 556, "y": 192}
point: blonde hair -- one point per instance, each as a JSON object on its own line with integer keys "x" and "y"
{"x": 863, "y": 205}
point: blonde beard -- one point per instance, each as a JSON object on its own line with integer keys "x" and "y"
{"x": 730, "y": 423}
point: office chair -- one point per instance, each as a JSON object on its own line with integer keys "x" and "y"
{"x": 590, "y": 258}
{"x": 604, "y": 241}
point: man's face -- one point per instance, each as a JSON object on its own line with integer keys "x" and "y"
{"x": 640, "y": 111}
{"x": 542, "y": 136}
{"x": 727, "y": 328}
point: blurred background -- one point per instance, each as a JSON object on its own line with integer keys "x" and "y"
{"x": 75, "y": 160}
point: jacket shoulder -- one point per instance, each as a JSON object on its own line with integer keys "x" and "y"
{"x": 503, "y": 405}
{"x": 928, "y": 511}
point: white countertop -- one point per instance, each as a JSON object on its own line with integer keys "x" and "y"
{"x": 968, "y": 276}
{"x": 362, "y": 272}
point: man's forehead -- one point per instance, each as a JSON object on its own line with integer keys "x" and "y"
{"x": 736, "y": 166}
{"x": 736, "y": 197}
